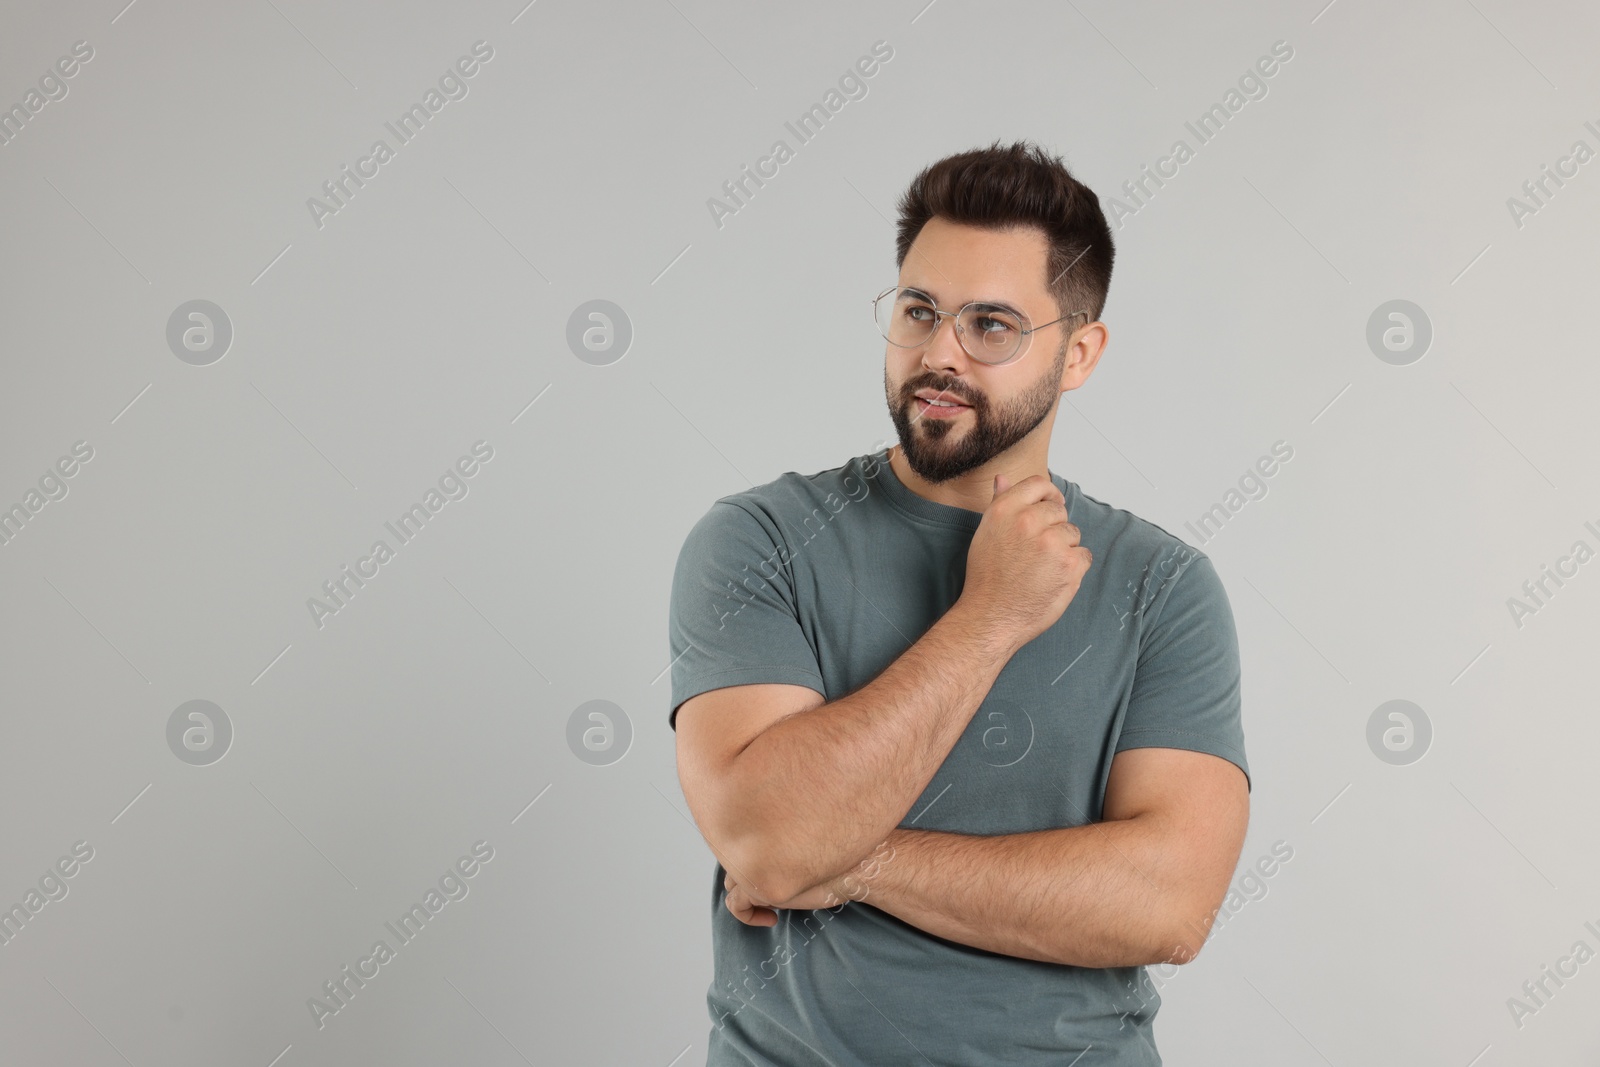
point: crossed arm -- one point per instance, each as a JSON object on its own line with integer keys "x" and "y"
{"x": 1140, "y": 887}
{"x": 815, "y": 799}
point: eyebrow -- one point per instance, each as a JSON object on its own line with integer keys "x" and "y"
{"x": 984, "y": 305}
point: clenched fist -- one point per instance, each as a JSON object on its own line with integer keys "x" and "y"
{"x": 1025, "y": 563}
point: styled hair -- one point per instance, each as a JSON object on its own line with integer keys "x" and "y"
{"x": 999, "y": 188}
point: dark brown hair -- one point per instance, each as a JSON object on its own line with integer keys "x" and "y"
{"x": 1021, "y": 185}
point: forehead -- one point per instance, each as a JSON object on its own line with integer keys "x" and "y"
{"x": 955, "y": 263}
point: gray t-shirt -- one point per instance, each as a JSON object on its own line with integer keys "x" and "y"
{"x": 823, "y": 580}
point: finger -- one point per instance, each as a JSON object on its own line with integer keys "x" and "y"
{"x": 748, "y": 912}
{"x": 1072, "y": 539}
{"x": 1052, "y": 512}
{"x": 1031, "y": 490}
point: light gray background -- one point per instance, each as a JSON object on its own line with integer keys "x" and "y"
{"x": 432, "y": 311}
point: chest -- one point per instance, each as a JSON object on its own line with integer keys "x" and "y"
{"x": 1037, "y": 751}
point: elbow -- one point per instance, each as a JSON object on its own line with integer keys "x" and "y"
{"x": 1177, "y": 952}
{"x": 762, "y": 875}
{"x": 759, "y": 846}
{"x": 729, "y": 819}
{"x": 1185, "y": 937}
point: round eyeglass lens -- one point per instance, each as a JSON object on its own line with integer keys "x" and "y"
{"x": 987, "y": 333}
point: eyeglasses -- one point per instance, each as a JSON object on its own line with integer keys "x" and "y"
{"x": 989, "y": 333}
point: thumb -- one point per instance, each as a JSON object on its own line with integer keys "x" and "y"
{"x": 999, "y": 486}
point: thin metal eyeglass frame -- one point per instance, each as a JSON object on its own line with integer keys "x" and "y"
{"x": 1023, "y": 331}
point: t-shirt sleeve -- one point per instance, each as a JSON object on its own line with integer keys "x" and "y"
{"x": 733, "y": 617}
{"x": 1186, "y": 683}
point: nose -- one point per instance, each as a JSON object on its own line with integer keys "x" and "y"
{"x": 943, "y": 350}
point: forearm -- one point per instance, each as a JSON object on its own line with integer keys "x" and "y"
{"x": 1101, "y": 895}
{"x": 822, "y": 788}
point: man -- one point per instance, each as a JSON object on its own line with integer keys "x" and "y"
{"x": 965, "y": 741}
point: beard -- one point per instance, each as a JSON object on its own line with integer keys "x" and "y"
{"x": 939, "y": 451}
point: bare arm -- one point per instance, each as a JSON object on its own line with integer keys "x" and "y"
{"x": 1141, "y": 887}
{"x": 1133, "y": 890}
{"x": 822, "y": 788}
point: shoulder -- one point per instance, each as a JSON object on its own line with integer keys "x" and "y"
{"x": 1131, "y": 538}
{"x": 1142, "y": 560}
{"x": 793, "y": 495}
{"x": 777, "y": 509}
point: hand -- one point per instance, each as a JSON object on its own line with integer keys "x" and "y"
{"x": 745, "y": 907}
{"x": 755, "y": 911}
{"x": 851, "y": 885}
{"x": 1025, "y": 563}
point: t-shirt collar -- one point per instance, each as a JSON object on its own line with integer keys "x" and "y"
{"x": 919, "y": 507}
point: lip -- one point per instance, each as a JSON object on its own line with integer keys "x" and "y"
{"x": 940, "y": 394}
{"x": 933, "y": 411}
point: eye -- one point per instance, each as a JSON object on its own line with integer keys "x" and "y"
{"x": 989, "y": 324}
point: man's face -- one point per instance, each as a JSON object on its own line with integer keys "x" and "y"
{"x": 956, "y": 264}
